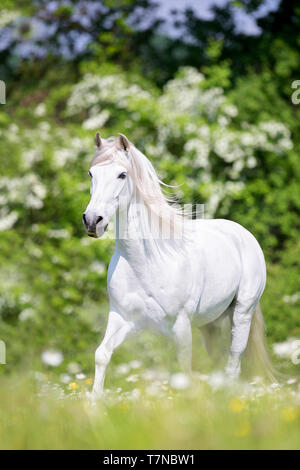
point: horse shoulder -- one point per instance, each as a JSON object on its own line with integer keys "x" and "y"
{"x": 123, "y": 287}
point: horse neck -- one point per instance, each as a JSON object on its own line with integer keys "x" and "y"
{"x": 142, "y": 243}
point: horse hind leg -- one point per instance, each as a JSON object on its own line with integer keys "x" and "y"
{"x": 183, "y": 338}
{"x": 241, "y": 323}
{"x": 216, "y": 336}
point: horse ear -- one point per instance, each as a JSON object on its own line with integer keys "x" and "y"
{"x": 97, "y": 140}
{"x": 123, "y": 142}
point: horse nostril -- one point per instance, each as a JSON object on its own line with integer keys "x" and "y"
{"x": 84, "y": 219}
{"x": 99, "y": 219}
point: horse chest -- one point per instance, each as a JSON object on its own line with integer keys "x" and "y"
{"x": 151, "y": 295}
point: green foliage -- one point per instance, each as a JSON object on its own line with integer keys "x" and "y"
{"x": 282, "y": 298}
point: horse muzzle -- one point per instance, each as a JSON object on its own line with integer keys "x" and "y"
{"x": 91, "y": 222}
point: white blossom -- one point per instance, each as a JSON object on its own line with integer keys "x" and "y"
{"x": 98, "y": 267}
{"x": 291, "y": 299}
{"x": 96, "y": 122}
{"x": 26, "y": 314}
{"x": 7, "y": 16}
{"x": 80, "y": 376}
{"x": 40, "y": 110}
{"x": 287, "y": 348}
{"x": 65, "y": 378}
{"x": 135, "y": 364}
{"x": 52, "y": 357}
{"x": 122, "y": 369}
{"x": 58, "y": 233}
{"x": 7, "y": 220}
{"x": 179, "y": 381}
{"x": 74, "y": 368}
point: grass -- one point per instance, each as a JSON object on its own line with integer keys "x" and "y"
{"x": 148, "y": 413}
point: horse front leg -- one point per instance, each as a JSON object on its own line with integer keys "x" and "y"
{"x": 183, "y": 339}
{"x": 116, "y": 331}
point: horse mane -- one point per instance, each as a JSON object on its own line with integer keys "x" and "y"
{"x": 146, "y": 183}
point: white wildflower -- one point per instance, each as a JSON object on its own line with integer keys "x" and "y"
{"x": 122, "y": 369}
{"x": 218, "y": 380}
{"x": 135, "y": 364}
{"x": 74, "y": 368}
{"x": 135, "y": 394}
{"x": 179, "y": 381}
{"x": 291, "y": 381}
{"x": 52, "y": 357}
{"x": 39, "y": 376}
{"x": 132, "y": 378}
{"x": 154, "y": 389}
{"x": 80, "y": 376}
{"x": 65, "y": 378}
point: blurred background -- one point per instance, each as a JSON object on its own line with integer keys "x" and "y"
{"x": 204, "y": 89}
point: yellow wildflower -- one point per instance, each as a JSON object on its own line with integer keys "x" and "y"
{"x": 244, "y": 429}
{"x": 73, "y": 385}
{"x": 290, "y": 413}
{"x": 124, "y": 405}
{"x": 88, "y": 381}
{"x": 236, "y": 405}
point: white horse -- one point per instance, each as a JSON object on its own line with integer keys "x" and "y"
{"x": 202, "y": 271}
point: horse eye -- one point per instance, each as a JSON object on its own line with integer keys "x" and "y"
{"x": 122, "y": 175}
{"x": 90, "y": 174}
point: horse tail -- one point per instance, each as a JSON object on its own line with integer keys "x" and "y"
{"x": 257, "y": 356}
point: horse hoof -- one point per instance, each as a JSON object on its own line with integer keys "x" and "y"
{"x": 93, "y": 397}
{"x": 232, "y": 375}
